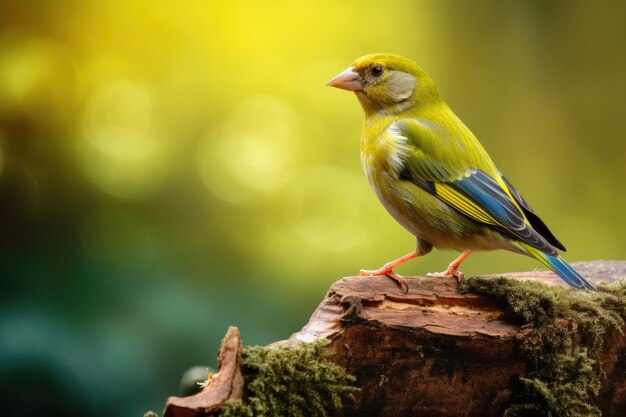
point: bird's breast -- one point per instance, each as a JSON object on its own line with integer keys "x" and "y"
{"x": 382, "y": 163}
{"x": 383, "y": 149}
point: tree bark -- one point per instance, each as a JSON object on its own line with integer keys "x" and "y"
{"x": 226, "y": 384}
{"x": 436, "y": 352}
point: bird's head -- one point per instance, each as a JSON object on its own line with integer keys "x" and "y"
{"x": 387, "y": 83}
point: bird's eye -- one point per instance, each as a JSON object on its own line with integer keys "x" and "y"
{"x": 377, "y": 71}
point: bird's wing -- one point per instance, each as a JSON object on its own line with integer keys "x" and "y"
{"x": 467, "y": 189}
{"x": 537, "y": 224}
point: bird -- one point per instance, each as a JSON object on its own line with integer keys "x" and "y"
{"x": 435, "y": 178}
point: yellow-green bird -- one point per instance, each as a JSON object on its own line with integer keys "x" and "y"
{"x": 434, "y": 177}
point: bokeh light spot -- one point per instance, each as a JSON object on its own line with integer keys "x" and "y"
{"x": 37, "y": 75}
{"x": 325, "y": 207}
{"x": 119, "y": 149}
{"x": 119, "y": 103}
{"x": 252, "y": 152}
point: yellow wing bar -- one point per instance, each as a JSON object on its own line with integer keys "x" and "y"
{"x": 464, "y": 204}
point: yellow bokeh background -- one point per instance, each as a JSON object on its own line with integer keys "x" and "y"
{"x": 169, "y": 169}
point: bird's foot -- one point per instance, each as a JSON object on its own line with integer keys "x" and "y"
{"x": 388, "y": 272}
{"x": 453, "y": 270}
{"x": 450, "y": 272}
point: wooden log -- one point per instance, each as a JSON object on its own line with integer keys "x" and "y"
{"x": 226, "y": 384}
{"x": 437, "y": 352}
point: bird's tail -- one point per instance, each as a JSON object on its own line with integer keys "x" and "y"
{"x": 562, "y": 268}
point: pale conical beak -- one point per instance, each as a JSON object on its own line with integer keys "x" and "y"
{"x": 347, "y": 80}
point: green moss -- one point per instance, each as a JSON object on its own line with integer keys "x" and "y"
{"x": 565, "y": 336}
{"x": 291, "y": 381}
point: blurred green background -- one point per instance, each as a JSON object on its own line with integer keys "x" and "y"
{"x": 170, "y": 168}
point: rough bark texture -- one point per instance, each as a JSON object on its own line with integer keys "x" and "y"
{"x": 226, "y": 384}
{"x": 434, "y": 351}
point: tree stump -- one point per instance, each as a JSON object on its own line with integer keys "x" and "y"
{"x": 435, "y": 351}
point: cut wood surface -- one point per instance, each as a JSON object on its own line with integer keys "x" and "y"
{"x": 435, "y": 351}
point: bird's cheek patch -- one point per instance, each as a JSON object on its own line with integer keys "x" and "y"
{"x": 401, "y": 85}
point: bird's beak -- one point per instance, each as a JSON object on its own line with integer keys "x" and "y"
{"x": 347, "y": 80}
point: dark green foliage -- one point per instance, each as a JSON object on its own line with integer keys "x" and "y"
{"x": 565, "y": 336}
{"x": 290, "y": 381}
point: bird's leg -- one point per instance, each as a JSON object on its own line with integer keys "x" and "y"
{"x": 387, "y": 270}
{"x": 453, "y": 268}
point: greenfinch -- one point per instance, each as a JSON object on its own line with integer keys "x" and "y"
{"x": 435, "y": 178}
